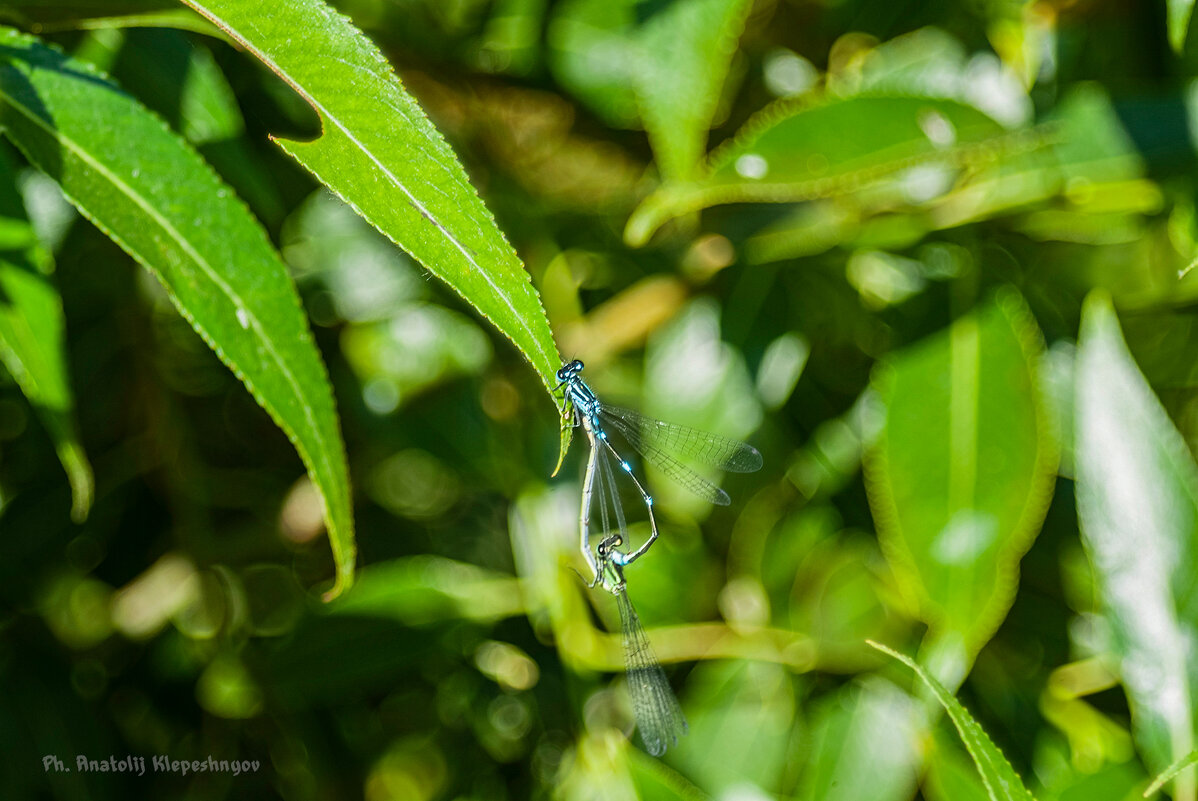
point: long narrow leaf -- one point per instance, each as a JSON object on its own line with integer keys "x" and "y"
{"x": 1189, "y": 760}
{"x": 148, "y": 191}
{"x": 32, "y": 334}
{"x": 1001, "y": 780}
{"x": 1179, "y": 14}
{"x": 1137, "y": 502}
{"x": 383, "y": 157}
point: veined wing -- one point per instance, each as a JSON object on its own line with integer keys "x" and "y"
{"x": 609, "y": 496}
{"x": 689, "y": 443}
{"x": 658, "y": 715}
{"x": 663, "y": 443}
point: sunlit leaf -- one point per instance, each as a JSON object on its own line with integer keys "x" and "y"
{"x": 32, "y": 336}
{"x": 1081, "y": 155}
{"x": 865, "y": 744}
{"x": 1137, "y": 502}
{"x": 950, "y": 774}
{"x": 794, "y": 151}
{"x": 685, "y": 50}
{"x": 168, "y": 210}
{"x": 661, "y": 66}
{"x": 1179, "y": 14}
{"x": 1001, "y": 780}
{"x": 962, "y": 472}
{"x": 382, "y": 156}
{"x": 932, "y": 63}
{"x": 424, "y": 589}
{"x": 600, "y": 768}
{"x": 1170, "y": 772}
{"x": 593, "y": 54}
{"x": 755, "y": 699}
{"x": 179, "y": 79}
{"x": 54, "y": 15}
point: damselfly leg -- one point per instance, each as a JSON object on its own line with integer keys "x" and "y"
{"x": 667, "y": 445}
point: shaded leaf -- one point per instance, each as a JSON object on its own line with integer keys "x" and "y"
{"x": 1137, "y": 502}
{"x": 167, "y": 209}
{"x": 1001, "y": 780}
{"x": 33, "y": 336}
{"x": 381, "y": 155}
{"x": 958, "y": 495}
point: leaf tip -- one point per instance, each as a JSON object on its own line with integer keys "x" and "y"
{"x": 344, "y": 580}
{"x": 83, "y": 486}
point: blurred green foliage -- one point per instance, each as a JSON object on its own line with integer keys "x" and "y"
{"x": 933, "y": 259}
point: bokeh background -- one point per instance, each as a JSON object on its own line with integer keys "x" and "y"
{"x": 183, "y": 617}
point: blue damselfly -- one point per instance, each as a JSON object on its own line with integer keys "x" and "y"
{"x": 667, "y": 445}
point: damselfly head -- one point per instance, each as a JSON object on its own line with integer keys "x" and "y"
{"x": 608, "y": 544}
{"x": 569, "y": 370}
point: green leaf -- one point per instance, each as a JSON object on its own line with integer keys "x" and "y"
{"x": 864, "y": 744}
{"x": 33, "y": 334}
{"x": 1137, "y": 501}
{"x": 425, "y": 589}
{"x": 1001, "y": 780}
{"x": 593, "y": 54}
{"x": 180, "y": 80}
{"x": 685, "y": 48}
{"x": 383, "y": 157}
{"x": 794, "y": 151}
{"x": 753, "y": 699}
{"x": 57, "y": 15}
{"x": 1179, "y": 14}
{"x": 658, "y": 65}
{"x": 949, "y": 774}
{"x": 146, "y": 189}
{"x": 958, "y": 495}
{"x": 1081, "y": 154}
{"x": 1170, "y": 772}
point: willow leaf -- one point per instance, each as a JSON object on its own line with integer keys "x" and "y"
{"x": 150, "y": 192}
{"x": 1137, "y": 502}
{"x": 32, "y": 336}
{"x": 1000, "y": 778}
{"x": 382, "y": 156}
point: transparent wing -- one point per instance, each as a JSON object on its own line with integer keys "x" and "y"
{"x": 658, "y": 715}
{"x": 663, "y": 443}
{"x": 609, "y": 495}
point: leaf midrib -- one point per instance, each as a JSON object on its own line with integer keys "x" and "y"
{"x": 200, "y": 262}
{"x": 395, "y": 181}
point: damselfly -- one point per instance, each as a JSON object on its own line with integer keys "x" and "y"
{"x": 658, "y": 715}
{"x": 667, "y": 445}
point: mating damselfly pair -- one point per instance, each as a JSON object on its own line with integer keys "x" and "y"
{"x": 672, "y": 448}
